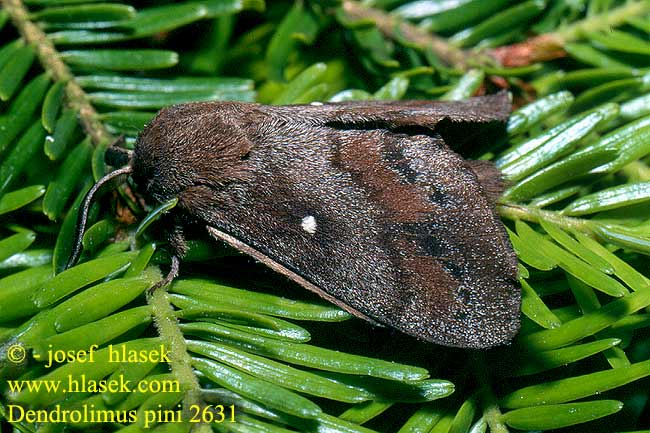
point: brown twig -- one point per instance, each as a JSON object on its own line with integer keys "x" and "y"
{"x": 537, "y": 49}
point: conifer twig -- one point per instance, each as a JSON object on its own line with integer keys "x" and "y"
{"x": 180, "y": 360}
{"x": 535, "y": 215}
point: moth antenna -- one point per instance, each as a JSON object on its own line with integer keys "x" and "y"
{"x": 82, "y": 217}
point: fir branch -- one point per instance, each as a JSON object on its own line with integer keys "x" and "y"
{"x": 51, "y": 60}
{"x": 253, "y": 333}
{"x": 604, "y": 21}
{"x": 180, "y": 361}
{"x": 540, "y": 48}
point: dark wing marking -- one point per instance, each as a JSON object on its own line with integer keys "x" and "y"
{"x": 443, "y": 236}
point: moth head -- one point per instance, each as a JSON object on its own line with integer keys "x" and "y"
{"x": 184, "y": 146}
{"x": 187, "y": 145}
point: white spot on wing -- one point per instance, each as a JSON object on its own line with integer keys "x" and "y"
{"x": 308, "y": 224}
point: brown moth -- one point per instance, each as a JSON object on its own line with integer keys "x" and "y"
{"x": 363, "y": 203}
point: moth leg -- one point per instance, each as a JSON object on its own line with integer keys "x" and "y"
{"x": 178, "y": 246}
{"x": 171, "y": 275}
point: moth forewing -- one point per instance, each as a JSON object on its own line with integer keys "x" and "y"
{"x": 363, "y": 203}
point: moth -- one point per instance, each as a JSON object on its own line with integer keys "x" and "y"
{"x": 363, "y": 203}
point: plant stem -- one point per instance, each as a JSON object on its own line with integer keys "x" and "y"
{"x": 396, "y": 28}
{"x": 51, "y": 61}
{"x": 180, "y": 361}
{"x": 535, "y": 215}
{"x": 621, "y": 236}
{"x": 543, "y": 47}
{"x": 492, "y": 414}
{"x": 491, "y": 411}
